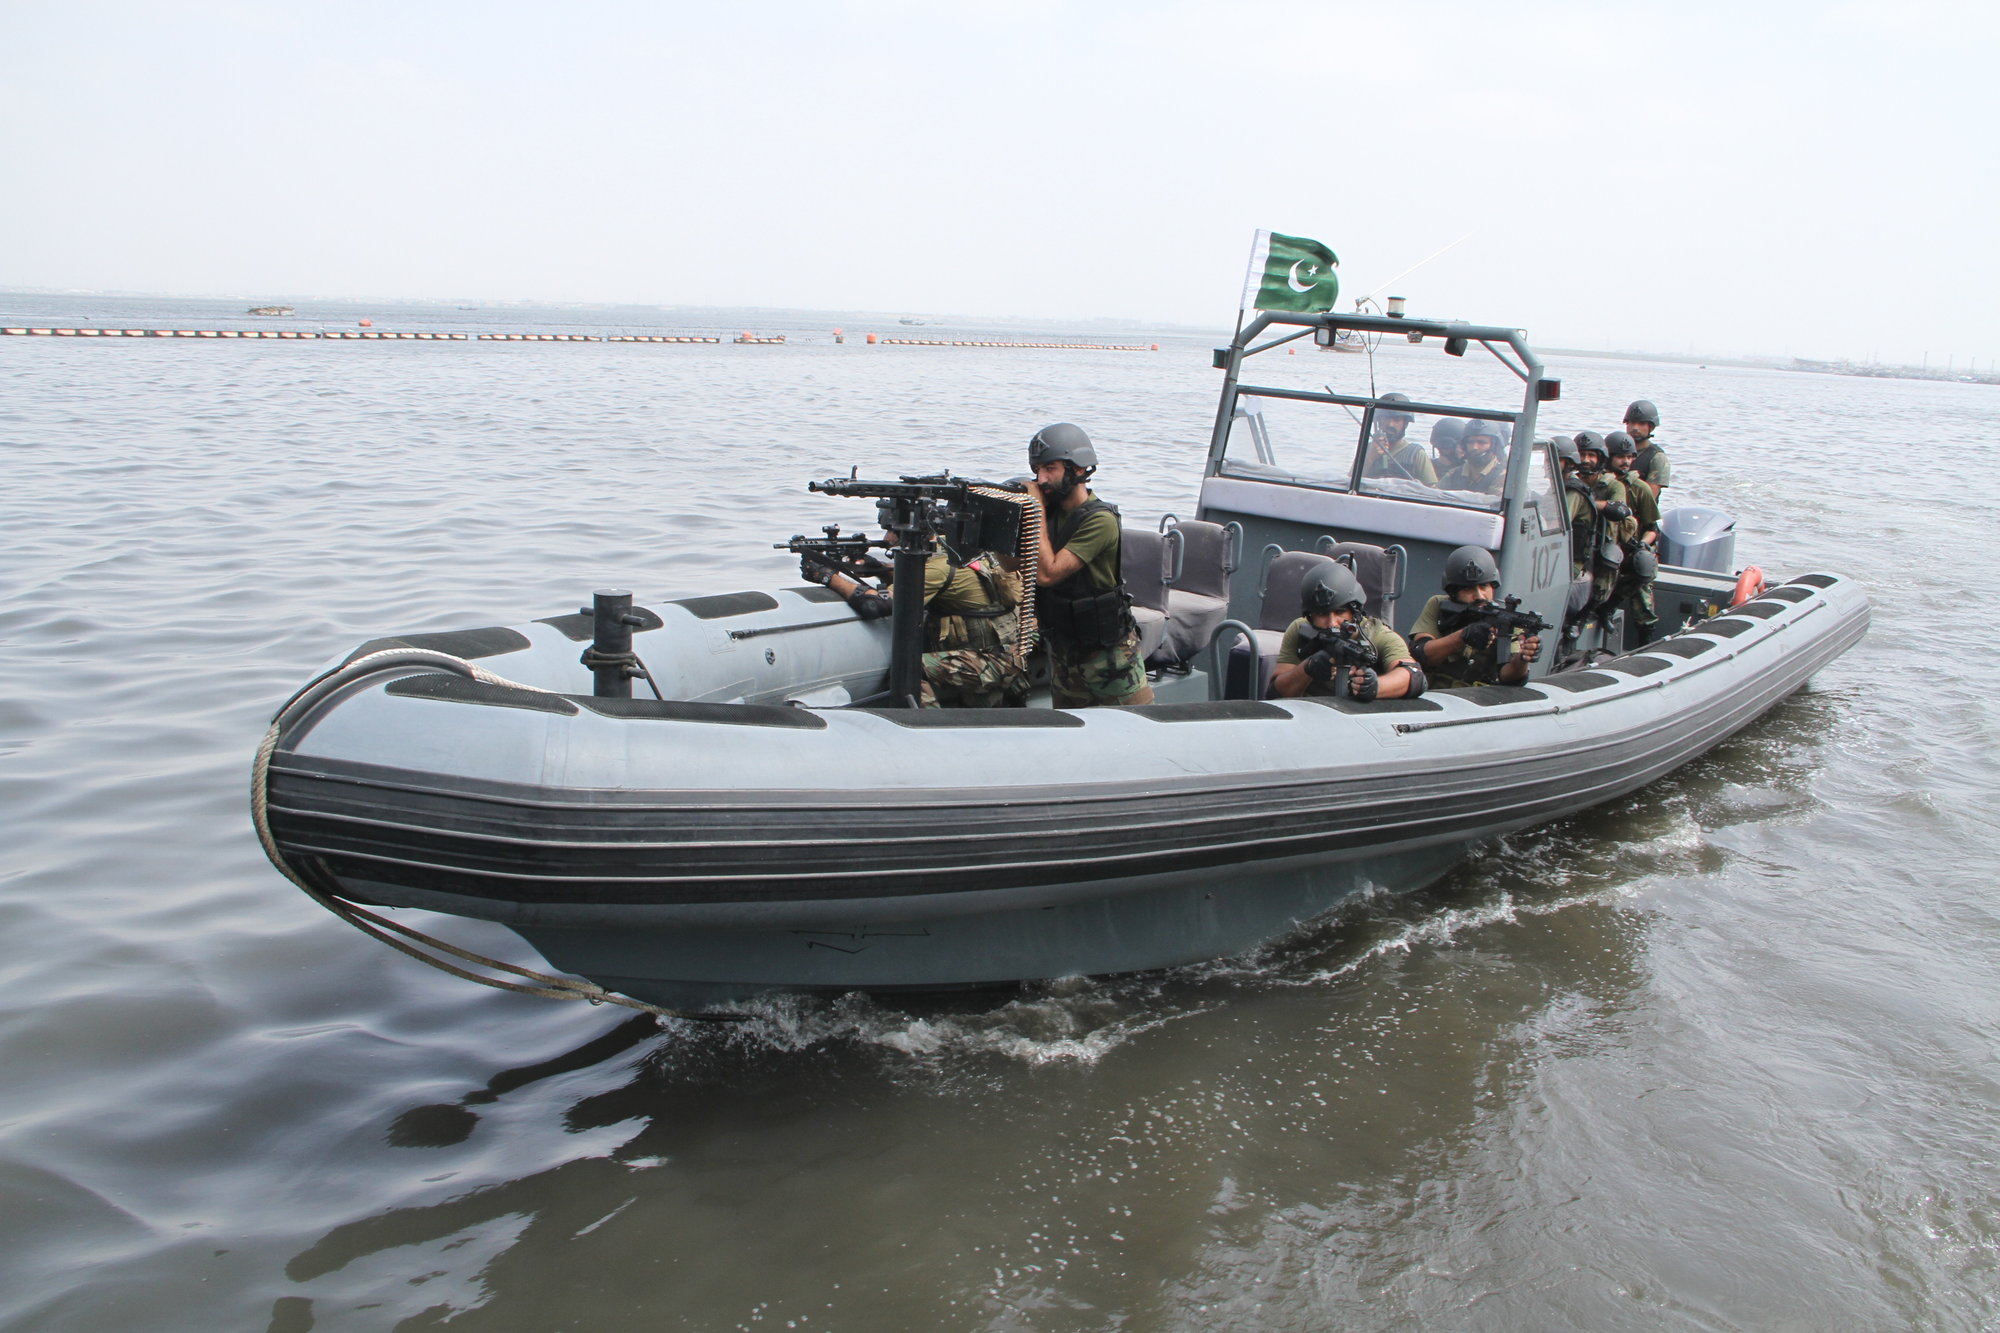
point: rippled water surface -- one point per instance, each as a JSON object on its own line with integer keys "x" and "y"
{"x": 1722, "y": 1057}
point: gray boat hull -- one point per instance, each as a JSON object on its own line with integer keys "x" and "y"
{"x": 685, "y": 852}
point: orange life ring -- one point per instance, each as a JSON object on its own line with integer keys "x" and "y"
{"x": 1749, "y": 584}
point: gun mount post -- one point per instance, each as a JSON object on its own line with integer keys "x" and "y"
{"x": 610, "y": 658}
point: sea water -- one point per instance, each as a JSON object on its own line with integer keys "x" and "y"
{"x": 1719, "y": 1056}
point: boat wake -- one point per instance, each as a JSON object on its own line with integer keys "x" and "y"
{"x": 1083, "y": 1020}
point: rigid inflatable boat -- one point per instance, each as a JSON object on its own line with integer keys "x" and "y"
{"x": 771, "y": 820}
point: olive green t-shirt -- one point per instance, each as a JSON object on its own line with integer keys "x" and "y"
{"x": 1095, "y": 543}
{"x": 1466, "y": 666}
{"x": 1645, "y": 505}
{"x": 1656, "y": 469}
{"x": 948, "y": 590}
{"x": 1471, "y": 476}
{"x": 1408, "y": 459}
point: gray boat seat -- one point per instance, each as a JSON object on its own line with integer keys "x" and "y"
{"x": 1275, "y": 615}
{"x": 1380, "y": 570}
{"x": 1198, "y": 599}
{"x": 1142, "y": 560}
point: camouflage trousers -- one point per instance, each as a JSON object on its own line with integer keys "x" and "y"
{"x": 1100, "y": 676}
{"x": 1636, "y": 597}
{"x": 962, "y": 678}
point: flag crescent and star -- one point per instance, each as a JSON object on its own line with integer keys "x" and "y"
{"x": 1290, "y": 273}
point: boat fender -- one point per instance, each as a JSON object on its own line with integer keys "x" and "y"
{"x": 1748, "y": 584}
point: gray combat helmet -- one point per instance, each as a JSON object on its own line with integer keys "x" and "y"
{"x": 1444, "y": 434}
{"x": 1061, "y": 443}
{"x": 1383, "y": 412}
{"x": 1617, "y": 444}
{"x": 1330, "y": 587}
{"x": 1492, "y": 430}
{"x": 1642, "y": 410}
{"x": 1468, "y": 567}
{"x": 1566, "y": 451}
{"x": 1590, "y": 442}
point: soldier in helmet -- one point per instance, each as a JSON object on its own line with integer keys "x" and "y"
{"x": 1483, "y": 467}
{"x": 1330, "y": 604}
{"x": 1622, "y": 453}
{"x": 1641, "y": 566}
{"x": 1080, "y": 599}
{"x": 1641, "y": 420}
{"x": 1615, "y": 528}
{"x": 1457, "y": 650}
{"x": 972, "y": 650}
{"x": 1389, "y": 453}
{"x": 1579, "y": 504}
{"x": 1446, "y": 450}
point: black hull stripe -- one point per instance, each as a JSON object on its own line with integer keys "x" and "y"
{"x": 456, "y": 846}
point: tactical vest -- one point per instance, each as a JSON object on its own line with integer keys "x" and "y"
{"x": 1645, "y": 459}
{"x": 1074, "y": 613}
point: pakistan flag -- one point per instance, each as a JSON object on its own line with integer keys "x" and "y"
{"x": 1290, "y": 273}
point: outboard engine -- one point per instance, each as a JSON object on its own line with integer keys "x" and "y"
{"x": 1697, "y": 537}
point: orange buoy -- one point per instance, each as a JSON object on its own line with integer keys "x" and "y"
{"x": 1749, "y": 583}
{"x": 871, "y": 340}
{"x": 367, "y": 323}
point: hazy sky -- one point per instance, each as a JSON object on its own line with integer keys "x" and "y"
{"x": 1814, "y": 180}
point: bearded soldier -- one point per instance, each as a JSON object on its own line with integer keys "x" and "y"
{"x": 1642, "y": 419}
{"x": 1080, "y": 599}
{"x": 1458, "y": 650}
{"x": 1391, "y": 455}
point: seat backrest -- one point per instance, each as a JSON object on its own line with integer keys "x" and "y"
{"x": 1281, "y": 587}
{"x": 1378, "y": 571}
{"x": 1142, "y": 556}
{"x": 1204, "y": 559}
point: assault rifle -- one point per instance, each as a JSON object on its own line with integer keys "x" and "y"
{"x": 839, "y": 554}
{"x": 1344, "y": 644}
{"x": 1505, "y": 618}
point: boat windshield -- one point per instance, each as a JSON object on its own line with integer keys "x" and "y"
{"x": 1379, "y": 450}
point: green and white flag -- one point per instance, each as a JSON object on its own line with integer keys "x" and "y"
{"x": 1290, "y": 273}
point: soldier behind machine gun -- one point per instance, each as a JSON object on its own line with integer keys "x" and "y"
{"x": 1333, "y": 649}
{"x": 1463, "y": 638}
{"x": 966, "y": 626}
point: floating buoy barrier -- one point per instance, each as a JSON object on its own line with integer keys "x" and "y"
{"x": 372, "y": 334}
{"x": 1059, "y": 347}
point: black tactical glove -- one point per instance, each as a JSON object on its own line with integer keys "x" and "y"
{"x": 1477, "y": 636}
{"x": 1319, "y": 666}
{"x": 814, "y": 570}
{"x": 872, "y": 566}
{"x": 1617, "y": 511}
{"x": 1363, "y": 683}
